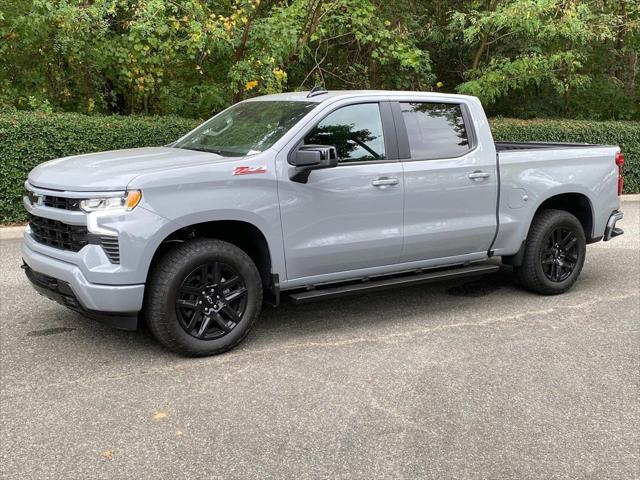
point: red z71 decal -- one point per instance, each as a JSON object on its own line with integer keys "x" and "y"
{"x": 249, "y": 170}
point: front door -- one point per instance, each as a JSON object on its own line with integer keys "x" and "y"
{"x": 348, "y": 217}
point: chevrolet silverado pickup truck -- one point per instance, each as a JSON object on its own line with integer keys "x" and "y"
{"x": 313, "y": 194}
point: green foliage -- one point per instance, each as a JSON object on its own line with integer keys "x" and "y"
{"x": 28, "y": 139}
{"x": 192, "y": 58}
{"x": 529, "y": 58}
{"x": 537, "y": 41}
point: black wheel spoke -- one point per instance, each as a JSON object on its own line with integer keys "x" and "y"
{"x": 231, "y": 313}
{"x": 204, "y": 275}
{"x": 216, "y": 273}
{"x": 193, "y": 321}
{"x": 187, "y": 303}
{"x": 571, "y": 258}
{"x": 221, "y": 322}
{"x": 570, "y": 241}
{"x": 562, "y": 268}
{"x": 235, "y": 295}
{"x": 191, "y": 290}
{"x": 204, "y": 325}
{"x": 230, "y": 282}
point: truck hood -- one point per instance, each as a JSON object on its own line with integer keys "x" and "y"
{"x": 113, "y": 170}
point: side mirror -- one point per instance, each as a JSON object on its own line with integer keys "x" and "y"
{"x": 312, "y": 157}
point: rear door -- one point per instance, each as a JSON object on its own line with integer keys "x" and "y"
{"x": 349, "y": 217}
{"x": 451, "y": 183}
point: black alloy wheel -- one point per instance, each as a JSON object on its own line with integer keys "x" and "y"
{"x": 211, "y": 301}
{"x": 203, "y": 297}
{"x": 560, "y": 255}
{"x": 554, "y": 253}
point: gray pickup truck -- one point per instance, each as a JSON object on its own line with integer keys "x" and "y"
{"x": 317, "y": 194}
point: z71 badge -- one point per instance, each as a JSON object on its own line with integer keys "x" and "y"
{"x": 249, "y": 170}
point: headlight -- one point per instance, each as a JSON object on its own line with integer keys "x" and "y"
{"x": 128, "y": 202}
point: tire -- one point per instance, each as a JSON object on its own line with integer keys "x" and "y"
{"x": 176, "y": 310}
{"x": 554, "y": 253}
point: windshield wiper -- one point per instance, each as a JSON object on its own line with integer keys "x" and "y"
{"x": 201, "y": 149}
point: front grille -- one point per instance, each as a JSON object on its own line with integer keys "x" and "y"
{"x": 56, "y": 234}
{"x": 61, "y": 202}
{"x": 52, "y": 201}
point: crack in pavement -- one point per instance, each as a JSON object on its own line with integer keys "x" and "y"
{"x": 389, "y": 338}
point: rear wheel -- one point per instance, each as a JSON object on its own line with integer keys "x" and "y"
{"x": 203, "y": 297}
{"x": 554, "y": 253}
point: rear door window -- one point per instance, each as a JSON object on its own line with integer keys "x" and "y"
{"x": 435, "y": 130}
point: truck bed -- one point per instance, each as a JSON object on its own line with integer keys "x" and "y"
{"x": 505, "y": 146}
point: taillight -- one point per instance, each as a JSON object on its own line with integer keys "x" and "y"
{"x": 619, "y": 163}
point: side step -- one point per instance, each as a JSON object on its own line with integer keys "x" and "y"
{"x": 383, "y": 283}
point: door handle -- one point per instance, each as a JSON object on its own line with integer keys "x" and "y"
{"x": 478, "y": 175}
{"x": 384, "y": 181}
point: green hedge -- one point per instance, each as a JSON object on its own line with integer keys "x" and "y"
{"x": 28, "y": 138}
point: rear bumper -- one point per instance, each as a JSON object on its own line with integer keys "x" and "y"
{"x": 65, "y": 283}
{"x": 611, "y": 230}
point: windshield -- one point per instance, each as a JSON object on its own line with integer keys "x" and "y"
{"x": 246, "y": 128}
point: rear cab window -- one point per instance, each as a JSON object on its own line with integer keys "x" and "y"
{"x": 435, "y": 130}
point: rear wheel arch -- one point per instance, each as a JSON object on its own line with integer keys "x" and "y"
{"x": 575, "y": 203}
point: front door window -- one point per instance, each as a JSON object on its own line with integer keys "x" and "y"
{"x": 355, "y": 131}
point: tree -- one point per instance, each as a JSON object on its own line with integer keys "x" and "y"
{"x": 195, "y": 57}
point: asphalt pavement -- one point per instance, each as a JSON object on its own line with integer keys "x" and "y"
{"x": 468, "y": 379}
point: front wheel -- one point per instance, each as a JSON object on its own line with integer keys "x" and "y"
{"x": 203, "y": 297}
{"x": 554, "y": 253}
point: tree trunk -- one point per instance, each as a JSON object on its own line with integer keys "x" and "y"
{"x": 479, "y": 52}
{"x": 483, "y": 44}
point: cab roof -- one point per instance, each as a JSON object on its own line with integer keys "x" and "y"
{"x": 322, "y": 96}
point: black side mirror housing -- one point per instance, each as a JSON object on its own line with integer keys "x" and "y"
{"x": 312, "y": 157}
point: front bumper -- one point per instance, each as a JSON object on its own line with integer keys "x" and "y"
{"x": 131, "y": 238}
{"x": 611, "y": 230}
{"x": 65, "y": 283}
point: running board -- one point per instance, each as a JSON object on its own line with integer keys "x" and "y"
{"x": 384, "y": 283}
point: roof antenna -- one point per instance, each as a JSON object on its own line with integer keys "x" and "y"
{"x": 315, "y": 91}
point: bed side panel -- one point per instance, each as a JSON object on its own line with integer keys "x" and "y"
{"x": 530, "y": 177}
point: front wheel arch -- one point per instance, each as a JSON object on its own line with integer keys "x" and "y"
{"x": 244, "y": 235}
